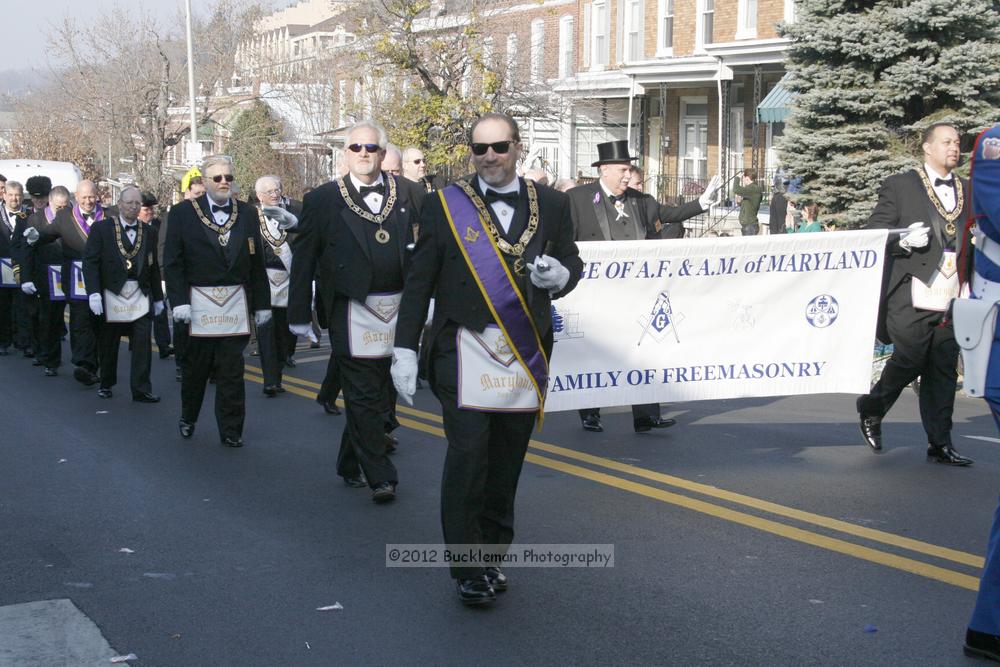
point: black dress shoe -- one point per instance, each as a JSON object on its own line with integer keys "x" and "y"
{"x": 391, "y": 442}
{"x": 982, "y": 645}
{"x": 270, "y": 391}
{"x": 179, "y": 375}
{"x": 593, "y": 424}
{"x": 186, "y": 429}
{"x": 356, "y": 482}
{"x": 37, "y": 362}
{"x": 384, "y": 492}
{"x": 280, "y": 388}
{"x": 51, "y": 372}
{"x": 165, "y": 353}
{"x": 232, "y": 441}
{"x": 475, "y": 591}
{"x": 104, "y": 392}
{"x": 871, "y": 428}
{"x": 145, "y": 398}
{"x": 643, "y": 424}
{"x": 29, "y": 353}
{"x": 330, "y": 407}
{"x": 947, "y": 455}
{"x": 497, "y": 579}
{"x": 83, "y": 376}
{"x": 290, "y": 363}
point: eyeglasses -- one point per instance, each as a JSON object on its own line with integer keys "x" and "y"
{"x": 417, "y": 160}
{"x": 371, "y": 148}
{"x": 218, "y": 178}
{"x": 499, "y": 147}
{"x": 271, "y": 193}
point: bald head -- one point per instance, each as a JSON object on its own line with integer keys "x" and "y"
{"x": 393, "y": 160}
{"x": 86, "y": 196}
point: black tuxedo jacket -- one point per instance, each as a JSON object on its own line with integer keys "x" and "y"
{"x": 590, "y": 218}
{"x": 332, "y": 240}
{"x": 193, "y": 256}
{"x": 34, "y": 260}
{"x": 903, "y": 200}
{"x": 439, "y": 270}
{"x": 104, "y": 266}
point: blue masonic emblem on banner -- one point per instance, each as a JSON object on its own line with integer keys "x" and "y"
{"x": 565, "y": 325}
{"x": 660, "y": 320}
{"x": 822, "y": 311}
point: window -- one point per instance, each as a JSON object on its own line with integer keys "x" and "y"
{"x": 666, "y": 38}
{"x": 588, "y": 34}
{"x": 601, "y": 44}
{"x": 537, "y": 50}
{"x": 706, "y": 23}
{"x": 789, "y": 11}
{"x": 633, "y": 30}
{"x": 746, "y": 20}
{"x": 565, "y": 46}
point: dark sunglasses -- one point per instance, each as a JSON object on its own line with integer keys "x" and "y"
{"x": 499, "y": 147}
{"x": 371, "y": 148}
{"x": 229, "y": 178}
{"x": 418, "y": 160}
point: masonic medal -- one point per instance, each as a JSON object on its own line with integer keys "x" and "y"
{"x": 382, "y": 236}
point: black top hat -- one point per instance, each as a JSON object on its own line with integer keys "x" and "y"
{"x": 149, "y": 199}
{"x": 613, "y": 151}
{"x": 38, "y": 186}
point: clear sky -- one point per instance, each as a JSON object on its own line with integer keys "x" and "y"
{"x": 27, "y": 22}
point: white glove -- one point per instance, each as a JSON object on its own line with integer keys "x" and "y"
{"x": 29, "y": 288}
{"x": 707, "y": 198}
{"x": 182, "y": 313}
{"x": 31, "y": 235}
{"x": 261, "y": 317}
{"x": 285, "y": 219}
{"x": 918, "y": 238}
{"x": 305, "y": 330}
{"x": 158, "y": 308}
{"x": 96, "y": 304}
{"x": 430, "y": 314}
{"x": 548, "y": 273}
{"x": 404, "y": 372}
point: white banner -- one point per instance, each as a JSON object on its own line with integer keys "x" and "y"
{"x": 696, "y": 319}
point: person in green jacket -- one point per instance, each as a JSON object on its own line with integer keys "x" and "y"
{"x": 751, "y": 196}
{"x": 810, "y": 219}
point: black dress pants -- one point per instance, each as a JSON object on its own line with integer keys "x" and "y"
{"x": 638, "y": 411}
{"x": 161, "y": 330}
{"x": 84, "y": 327}
{"x": 366, "y": 384}
{"x": 25, "y": 312}
{"x": 141, "y": 344}
{"x": 221, "y": 358}
{"x": 7, "y": 317}
{"x": 275, "y": 344}
{"x": 481, "y": 469}
{"x": 50, "y": 324}
{"x": 330, "y": 389}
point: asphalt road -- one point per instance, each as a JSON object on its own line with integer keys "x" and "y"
{"x": 755, "y": 532}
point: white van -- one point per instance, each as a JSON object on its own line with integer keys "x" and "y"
{"x": 61, "y": 173}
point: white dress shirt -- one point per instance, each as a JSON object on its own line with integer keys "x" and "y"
{"x": 945, "y": 193}
{"x": 618, "y": 204}
{"x": 372, "y": 200}
{"x": 221, "y": 217}
{"x": 129, "y": 229}
{"x": 503, "y": 210}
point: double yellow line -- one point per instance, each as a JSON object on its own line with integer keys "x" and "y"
{"x": 569, "y": 462}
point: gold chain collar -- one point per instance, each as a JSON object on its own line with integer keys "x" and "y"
{"x": 224, "y": 229}
{"x": 387, "y": 205}
{"x": 265, "y": 231}
{"x": 956, "y": 212}
{"x": 516, "y": 250}
{"x": 136, "y": 247}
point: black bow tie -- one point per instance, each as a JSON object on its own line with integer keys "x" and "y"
{"x": 227, "y": 209}
{"x": 509, "y": 198}
{"x": 950, "y": 182}
{"x": 365, "y": 190}
{"x": 128, "y": 227}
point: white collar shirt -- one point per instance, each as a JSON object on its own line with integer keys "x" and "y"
{"x": 503, "y": 210}
{"x": 372, "y": 200}
{"x": 945, "y": 193}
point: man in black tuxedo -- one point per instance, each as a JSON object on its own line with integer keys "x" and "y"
{"x": 932, "y": 201}
{"x": 10, "y": 215}
{"x": 527, "y": 228}
{"x": 356, "y": 230}
{"x": 161, "y": 323}
{"x": 610, "y": 210}
{"x": 39, "y": 282}
{"x": 71, "y": 227}
{"x": 122, "y": 275}
{"x": 214, "y": 265}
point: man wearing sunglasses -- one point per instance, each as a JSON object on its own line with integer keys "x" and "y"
{"x": 611, "y": 209}
{"x": 214, "y": 264}
{"x": 415, "y": 168}
{"x": 494, "y": 250}
{"x": 355, "y": 231}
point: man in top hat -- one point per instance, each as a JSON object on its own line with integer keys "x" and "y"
{"x": 72, "y": 226}
{"x": 161, "y": 324}
{"x": 41, "y": 273}
{"x": 929, "y": 202}
{"x": 214, "y": 265}
{"x": 610, "y": 210}
{"x": 122, "y": 276}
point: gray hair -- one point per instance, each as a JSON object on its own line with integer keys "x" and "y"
{"x": 410, "y": 151}
{"x": 383, "y": 136}
{"x": 213, "y": 160}
{"x": 121, "y": 194}
{"x": 263, "y": 180}
{"x": 16, "y": 185}
{"x": 393, "y": 148}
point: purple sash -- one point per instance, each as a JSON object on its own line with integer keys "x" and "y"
{"x": 497, "y": 285}
{"x": 82, "y": 221}
{"x": 50, "y": 214}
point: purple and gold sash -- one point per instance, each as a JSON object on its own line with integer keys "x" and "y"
{"x": 498, "y": 287}
{"x": 81, "y": 221}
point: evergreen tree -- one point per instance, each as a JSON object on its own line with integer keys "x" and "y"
{"x": 250, "y": 139}
{"x": 868, "y": 77}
